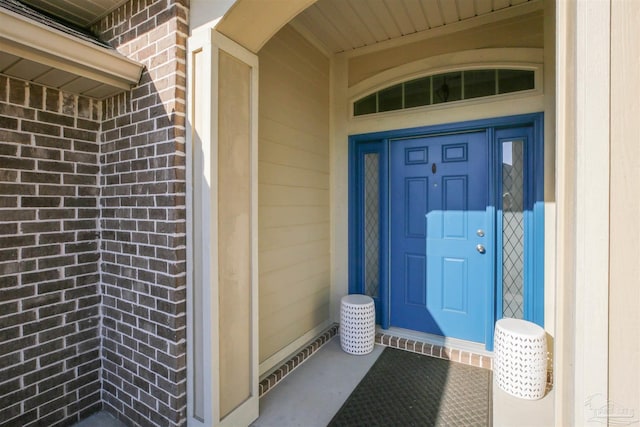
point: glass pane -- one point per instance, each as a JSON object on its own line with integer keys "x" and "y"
{"x": 515, "y": 80}
{"x": 371, "y": 224}
{"x": 513, "y": 229}
{"x": 417, "y": 92}
{"x": 390, "y": 99}
{"x": 366, "y": 105}
{"x": 447, "y": 87}
{"x": 479, "y": 83}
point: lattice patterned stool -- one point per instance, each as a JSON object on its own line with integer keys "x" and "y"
{"x": 357, "y": 324}
{"x": 520, "y": 358}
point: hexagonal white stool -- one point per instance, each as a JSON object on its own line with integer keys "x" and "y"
{"x": 357, "y": 324}
{"x": 520, "y": 358}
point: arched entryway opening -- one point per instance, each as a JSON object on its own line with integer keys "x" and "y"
{"x": 299, "y": 72}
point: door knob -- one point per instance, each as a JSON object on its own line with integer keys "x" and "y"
{"x": 481, "y": 249}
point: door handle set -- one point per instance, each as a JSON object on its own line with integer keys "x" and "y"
{"x": 480, "y": 248}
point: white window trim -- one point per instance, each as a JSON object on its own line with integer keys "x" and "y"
{"x": 522, "y": 102}
{"x": 476, "y": 59}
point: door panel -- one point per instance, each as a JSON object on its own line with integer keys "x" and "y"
{"x": 458, "y": 274}
{"x": 416, "y": 205}
{"x": 439, "y": 281}
{"x": 410, "y": 182}
{"x": 454, "y": 295}
{"x": 415, "y": 268}
{"x": 454, "y": 195}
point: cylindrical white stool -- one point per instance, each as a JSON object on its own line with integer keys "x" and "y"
{"x": 357, "y": 324}
{"x": 520, "y": 358}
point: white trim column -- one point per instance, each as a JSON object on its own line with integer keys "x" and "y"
{"x": 592, "y": 80}
{"x": 209, "y": 290}
{"x": 583, "y": 143}
{"x": 339, "y": 179}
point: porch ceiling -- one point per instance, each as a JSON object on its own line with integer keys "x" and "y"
{"x": 343, "y": 25}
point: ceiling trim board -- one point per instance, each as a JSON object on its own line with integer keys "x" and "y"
{"x": 490, "y": 18}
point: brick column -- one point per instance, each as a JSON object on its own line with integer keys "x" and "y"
{"x": 142, "y": 156}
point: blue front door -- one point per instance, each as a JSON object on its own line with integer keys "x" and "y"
{"x": 441, "y": 248}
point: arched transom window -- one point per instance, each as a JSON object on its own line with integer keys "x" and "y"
{"x": 445, "y": 87}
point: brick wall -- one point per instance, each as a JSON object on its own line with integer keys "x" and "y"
{"x": 87, "y": 184}
{"x": 49, "y": 272}
{"x": 142, "y": 155}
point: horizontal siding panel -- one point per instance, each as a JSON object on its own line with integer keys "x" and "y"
{"x": 298, "y": 312}
{"x": 296, "y": 316}
{"x": 294, "y": 81}
{"x": 292, "y": 46}
{"x": 293, "y": 191}
{"x": 287, "y": 216}
{"x": 307, "y": 113}
{"x": 286, "y": 296}
{"x": 280, "y": 154}
{"x": 294, "y": 137}
{"x": 279, "y": 195}
{"x": 279, "y": 282}
{"x": 291, "y": 236}
{"x": 282, "y": 257}
{"x": 292, "y": 70}
{"x": 291, "y": 331}
{"x": 277, "y": 174}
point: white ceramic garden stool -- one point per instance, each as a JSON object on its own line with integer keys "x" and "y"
{"x": 357, "y": 324}
{"x": 520, "y": 358}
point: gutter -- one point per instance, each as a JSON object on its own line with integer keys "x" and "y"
{"x": 28, "y": 39}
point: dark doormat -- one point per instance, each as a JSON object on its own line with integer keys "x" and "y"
{"x": 409, "y": 389}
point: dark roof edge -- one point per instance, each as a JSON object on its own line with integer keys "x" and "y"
{"x": 50, "y": 21}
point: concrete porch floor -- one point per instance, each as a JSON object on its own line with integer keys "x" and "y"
{"x": 312, "y": 394}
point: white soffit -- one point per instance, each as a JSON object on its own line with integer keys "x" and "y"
{"x": 35, "y": 52}
{"x": 345, "y": 25}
